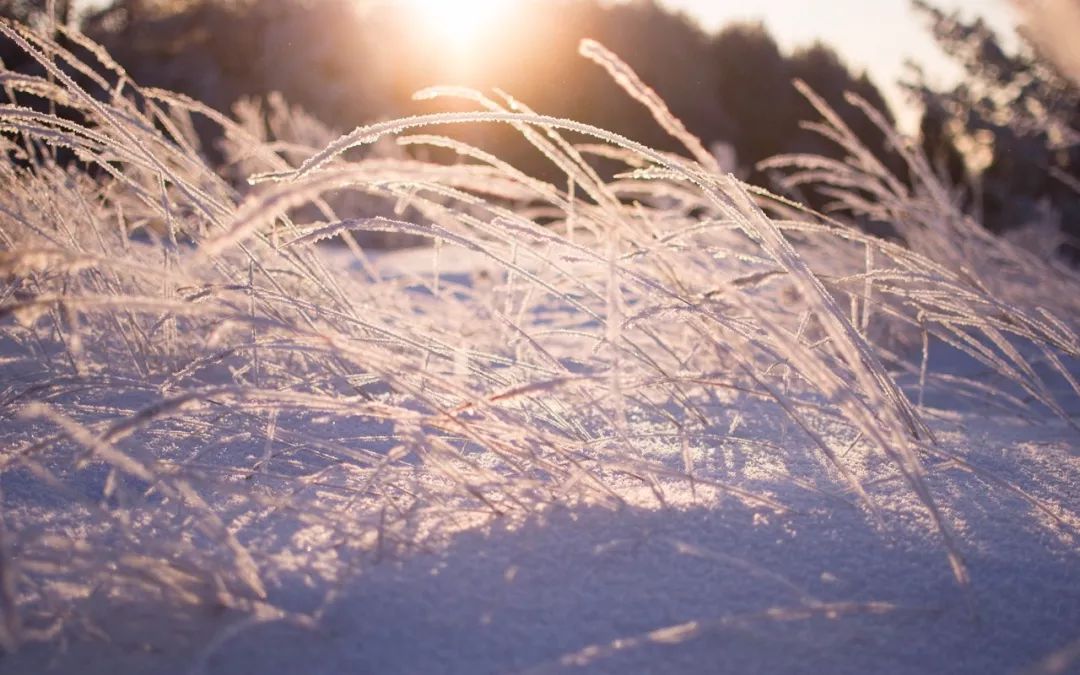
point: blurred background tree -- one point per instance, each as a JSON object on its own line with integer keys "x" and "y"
{"x": 331, "y": 58}
{"x": 1008, "y": 131}
{"x": 1006, "y": 135}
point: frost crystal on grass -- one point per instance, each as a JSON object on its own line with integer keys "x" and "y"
{"x": 211, "y": 392}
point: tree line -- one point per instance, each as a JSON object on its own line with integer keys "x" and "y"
{"x": 1004, "y": 137}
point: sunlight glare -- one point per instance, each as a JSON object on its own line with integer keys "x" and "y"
{"x": 459, "y": 22}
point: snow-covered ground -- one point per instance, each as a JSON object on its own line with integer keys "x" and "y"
{"x": 679, "y": 579}
{"x": 662, "y": 422}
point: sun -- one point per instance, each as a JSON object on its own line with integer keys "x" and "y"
{"x": 458, "y": 22}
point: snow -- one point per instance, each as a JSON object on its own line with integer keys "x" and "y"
{"x": 695, "y": 581}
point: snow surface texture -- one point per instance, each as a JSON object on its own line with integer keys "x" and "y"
{"x": 699, "y": 584}
{"x": 662, "y": 423}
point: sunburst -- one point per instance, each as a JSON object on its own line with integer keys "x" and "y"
{"x": 459, "y": 22}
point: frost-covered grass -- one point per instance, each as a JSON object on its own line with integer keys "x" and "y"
{"x": 211, "y": 391}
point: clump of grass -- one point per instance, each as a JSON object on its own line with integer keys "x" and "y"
{"x": 188, "y": 368}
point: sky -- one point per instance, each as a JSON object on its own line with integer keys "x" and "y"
{"x": 876, "y": 35}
